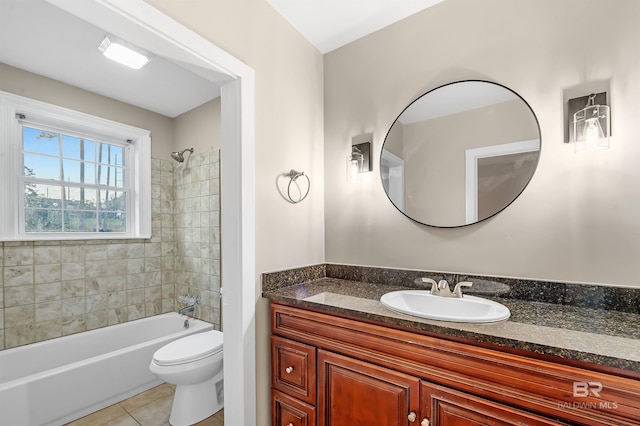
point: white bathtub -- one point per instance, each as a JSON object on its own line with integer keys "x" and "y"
{"x": 60, "y": 380}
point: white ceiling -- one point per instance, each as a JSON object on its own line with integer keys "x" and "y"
{"x": 330, "y": 24}
{"x": 40, "y": 38}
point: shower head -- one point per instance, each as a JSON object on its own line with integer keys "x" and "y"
{"x": 179, "y": 155}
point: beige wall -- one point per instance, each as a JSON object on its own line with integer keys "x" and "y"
{"x": 23, "y": 83}
{"x": 167, "y": 134}
{"x": 199, "y": 128}
{"x": 393, "y": 140}
{"x": 578, "y": 219}
{"x": 289, "y": 134}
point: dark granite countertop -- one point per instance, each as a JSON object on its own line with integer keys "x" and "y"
{"x": 606, "y": 337}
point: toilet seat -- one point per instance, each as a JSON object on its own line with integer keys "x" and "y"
{"x": 189, "y": 349}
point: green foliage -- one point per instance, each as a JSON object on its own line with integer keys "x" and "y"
{"x": 44, "y": 213}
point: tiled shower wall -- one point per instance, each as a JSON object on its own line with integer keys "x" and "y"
{"x": 50, "y": 289}
{"x": 197, "y": 233}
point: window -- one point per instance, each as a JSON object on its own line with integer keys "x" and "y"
{"x": 69, "y": 175}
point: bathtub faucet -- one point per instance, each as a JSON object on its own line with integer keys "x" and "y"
{"x": 191, "y": 302}
{"x": 184, "y": 310}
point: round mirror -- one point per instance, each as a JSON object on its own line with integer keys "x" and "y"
{"x": 460, "y": 153}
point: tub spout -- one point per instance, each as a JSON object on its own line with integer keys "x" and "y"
{"x": 184, "y": 310}
{"x": 191, "y": 302}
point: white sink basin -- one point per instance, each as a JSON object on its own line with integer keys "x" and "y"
{"x": 421, "y": 303}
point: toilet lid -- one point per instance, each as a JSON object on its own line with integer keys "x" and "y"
{"x": 190, "y": 348}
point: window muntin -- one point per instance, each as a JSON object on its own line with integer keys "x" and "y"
{"x": 72, "y": 183}
{"x": 70, "y": 175}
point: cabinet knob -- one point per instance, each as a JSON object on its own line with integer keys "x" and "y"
{"x": 290, "y": 424}
{"x": 412, "y": 417}
{"x": 289, "y": 370}
{"x": 424, "y": 422}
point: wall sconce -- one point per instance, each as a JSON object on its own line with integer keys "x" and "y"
{"x": 589, "y": 122}
{"x": 358, "y": 161}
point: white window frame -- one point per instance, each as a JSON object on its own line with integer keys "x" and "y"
{"x": 138, "y": 145}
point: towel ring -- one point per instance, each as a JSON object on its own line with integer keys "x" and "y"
{"x": 293, "y": 175}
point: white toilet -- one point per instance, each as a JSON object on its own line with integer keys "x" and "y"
{"x": 194, "y": 365}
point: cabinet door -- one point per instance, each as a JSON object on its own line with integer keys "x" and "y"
{"x": 288, "y": 411}
{"x": 356, "y": 393}
{"x": 442, "y": 406}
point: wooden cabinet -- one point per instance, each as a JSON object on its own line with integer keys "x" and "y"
{"x": 350, "y": 372}
{"x": 442, "y": 406}
{"x": 353, "y": 392}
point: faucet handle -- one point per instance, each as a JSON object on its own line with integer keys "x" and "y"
{"x": 189, "y": 299}
{"x": 443, "y": 285}
{"x": 434, "y": 285}
{"x": 457, "y": 291}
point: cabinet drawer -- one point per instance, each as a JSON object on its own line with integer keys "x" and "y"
{"x": 293, "y": 368}
{"x": 288, "y": 411}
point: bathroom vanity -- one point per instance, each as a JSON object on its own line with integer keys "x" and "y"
{"x": 340, "y": 358}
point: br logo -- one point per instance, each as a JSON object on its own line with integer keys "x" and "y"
{"x": 584, "y": 389}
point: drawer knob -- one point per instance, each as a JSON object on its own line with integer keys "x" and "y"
{"x": 425, "y": 422}
{"x": 289, "y": 370}
{"x": 290, "y": 424}
{"x": 412, "y": 417}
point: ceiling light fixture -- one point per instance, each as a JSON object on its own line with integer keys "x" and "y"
{"x": 124, "y": 53}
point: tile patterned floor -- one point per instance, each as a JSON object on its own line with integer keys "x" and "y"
{"x": 150, "y": 408}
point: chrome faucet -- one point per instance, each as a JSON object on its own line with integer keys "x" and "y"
{"x": 186, "y": 309}
{"x": 191, "y": 302}
{"x": 441, "y": 288}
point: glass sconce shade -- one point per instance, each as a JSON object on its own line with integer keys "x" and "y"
{"x": 355, "y": 163}
{"x": 591, "y": 126}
